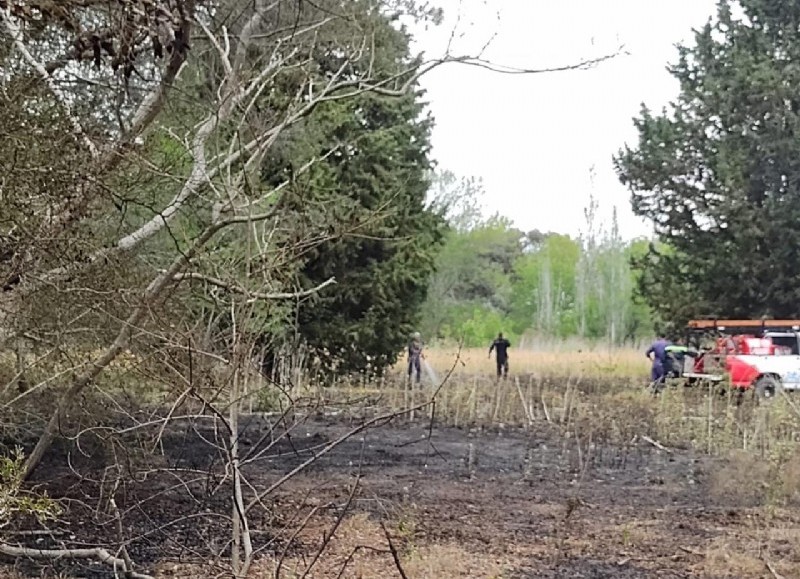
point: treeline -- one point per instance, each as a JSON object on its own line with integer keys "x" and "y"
{"x": 491, "y": 276}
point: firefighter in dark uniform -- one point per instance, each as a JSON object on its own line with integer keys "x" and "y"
{"x": 414, "y": 355}
{"x": 500, "y": 346}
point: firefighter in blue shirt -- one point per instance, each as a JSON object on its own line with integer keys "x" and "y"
{"x": 657, "y": 354}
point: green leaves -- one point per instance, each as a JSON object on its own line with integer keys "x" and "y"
{"x": 719, "y": 172}
{"x": 490, "y": 277}
{"x": 370, "y": 195}
{"x": 14, "y": 500}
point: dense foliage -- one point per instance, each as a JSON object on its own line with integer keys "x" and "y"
{"x": 491, "y": 277}
{"x": 718, "y": 173}
{"x": 382, "y": 263}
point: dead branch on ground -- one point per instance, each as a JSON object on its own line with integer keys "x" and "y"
{"x": 97, "y": 553}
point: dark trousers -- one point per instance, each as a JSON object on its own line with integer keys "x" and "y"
{"x": 657, "y": 373}
{"x": 414, "y": 364}
{"x": 502, "y": 366}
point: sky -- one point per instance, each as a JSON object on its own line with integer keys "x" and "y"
{"x": 543, "y": 143}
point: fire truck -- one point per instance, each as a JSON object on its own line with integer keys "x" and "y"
{"x": 758, "y": 355}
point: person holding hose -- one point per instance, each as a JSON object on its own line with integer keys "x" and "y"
{"x": 414, "y": 356}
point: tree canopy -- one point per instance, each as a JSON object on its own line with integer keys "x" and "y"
{"x": 491, "y": 277}
{"x": 718, "y": 172}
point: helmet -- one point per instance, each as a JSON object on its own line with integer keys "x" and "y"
{"x": 416, "y": 335}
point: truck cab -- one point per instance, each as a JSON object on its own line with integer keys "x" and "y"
{"x": 786, "y": 343}
{"x": 760, "y": 354}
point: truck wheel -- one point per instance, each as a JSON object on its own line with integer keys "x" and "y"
{"x": 767, "y": 388}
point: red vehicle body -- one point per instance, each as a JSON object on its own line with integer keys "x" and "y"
{"x": 750, "y": 353}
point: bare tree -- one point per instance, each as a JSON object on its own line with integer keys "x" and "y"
{"x": 140, "y": 129}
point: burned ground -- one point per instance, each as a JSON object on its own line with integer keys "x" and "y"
{"x": 478, "y": 502}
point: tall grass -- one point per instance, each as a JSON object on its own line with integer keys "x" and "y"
{"x": 559, "y": 360}
{"x": 595, "y": 399}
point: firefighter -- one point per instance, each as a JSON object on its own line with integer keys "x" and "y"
{"x": 657, "y": 354}
{"x": 414, "y": 355}
{"x": 500, "y": 346}
{"x": 675, "y": 356}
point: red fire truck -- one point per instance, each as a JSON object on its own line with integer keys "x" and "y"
{"x": 762, "y": 355}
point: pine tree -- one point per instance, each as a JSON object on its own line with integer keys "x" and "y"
{"x": 718, "y": 173}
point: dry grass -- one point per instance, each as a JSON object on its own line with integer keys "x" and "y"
{"x": 594, "y": 398}
{"x": 555, "y": 361}
{"x": 729, "y": 557}
{"x": 601, "y": 396}
{"x": 359, "y": 549}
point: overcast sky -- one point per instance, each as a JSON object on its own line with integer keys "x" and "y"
{"x": 535, "y": 139}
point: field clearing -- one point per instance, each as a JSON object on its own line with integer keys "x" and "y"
{"x": 555, "y": 499}
{"x": 556, "y": 360}
{"x": 568, "y": 469}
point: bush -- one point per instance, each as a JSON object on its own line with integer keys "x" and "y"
{"x": 14, "y": 500}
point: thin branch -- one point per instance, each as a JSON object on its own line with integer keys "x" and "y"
{"x": 382, "y": 419}
{"x": 253, "y": 296}
{"x": 294, "y": 535}
{"x": 514, "y": 70}
{"x": 354, "y": 552}
{"x": 326, "y": 541}
{"x": 393, "y": 551}
{"x": 126, "y": 558}
{"x": 154, "y": 290}
{"x": 16, "y": 35}
{"x": 771, "y": 568}
{"x": 50, "y": 554}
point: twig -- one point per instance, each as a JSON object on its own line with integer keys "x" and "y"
{"x": 126, "y": 558}
{"x": 771, "y": 568}
{"x": 546, "y": 412}
{"x": 293, "y": 536}
{"x": 16, "y": 36}
{"x": 393, "y": 551}
{"x": 96, "y": 553}
{"x": 330, "y": 535}
{"x": 253, "y": 295}
{"x": 35, "y": 533}
{"x": 352, "y": 554}
{"x": 384, "y": 418}
{"x": 655, "y": 443}
{"x": 524, "y": 402}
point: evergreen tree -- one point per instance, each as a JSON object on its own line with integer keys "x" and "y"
{"x": 383, "y": 238}
{"x": 718, "y": 173}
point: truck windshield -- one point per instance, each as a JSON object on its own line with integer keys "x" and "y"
{"x": 786, "y": 342}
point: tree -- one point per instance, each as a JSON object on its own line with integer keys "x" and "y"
{"x": 383, "y": 267}
{"x": 458, "y": 199}
{"x": 718, "y": 173}
{"x": 471, "y": 289}
{"x": 354, "y": 209}
{"x": 544, "y": 288}
{"x": 159, "y": 120}
{"x": 199, "y": 191}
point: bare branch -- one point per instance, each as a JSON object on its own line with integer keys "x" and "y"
{"x": 393, "y": 551}
{"x": 96, "y": 553}
{"x": 327, "y": 539}
{"x": 382, "y": 419}
{"x": 504, "y": 69}
{"x": 253, "y": 296}
{"x": 16, "y": 34}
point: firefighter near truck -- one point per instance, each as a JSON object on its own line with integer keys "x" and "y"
{"x": 758, "y": 356}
